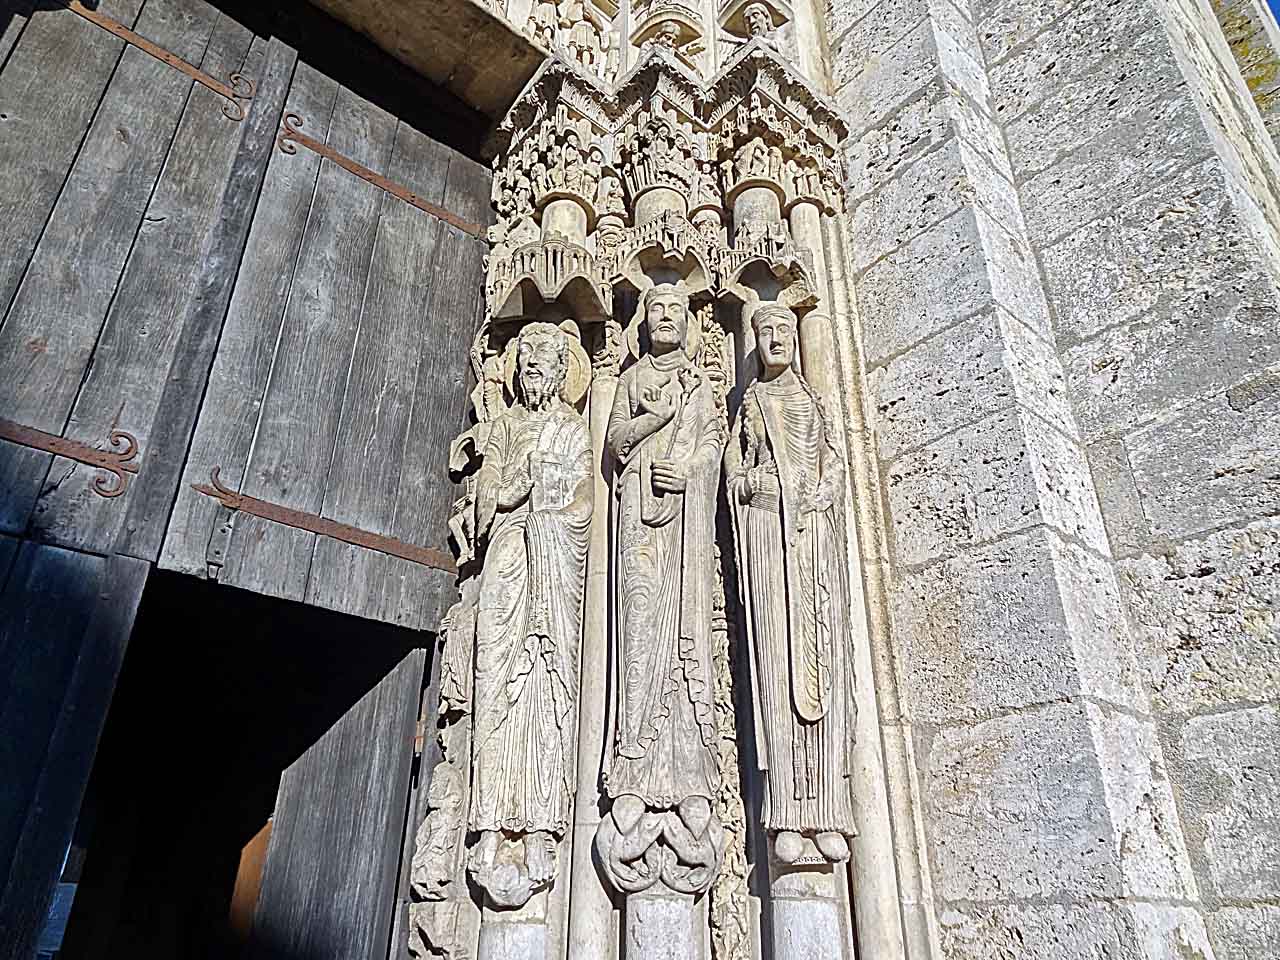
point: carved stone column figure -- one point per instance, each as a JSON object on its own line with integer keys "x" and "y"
{"x": 534, "y": 496}
{"x": 661, "y": 843}
{"x": 785, "y": 484}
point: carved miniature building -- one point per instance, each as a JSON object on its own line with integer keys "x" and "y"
{"x": 593, "y": 480}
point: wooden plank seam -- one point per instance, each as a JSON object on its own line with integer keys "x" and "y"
{"x": 323, "y": 526}
{"x": 291, "y": 134}
{"x": 237, "y": 93}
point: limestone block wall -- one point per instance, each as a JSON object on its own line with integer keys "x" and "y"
{"x": 1062, "y": 245}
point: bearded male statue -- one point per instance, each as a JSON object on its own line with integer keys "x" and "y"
{"x": 662, "y": 775}
{"x": 785, "y": 485}
{"x": 534, "y": 496}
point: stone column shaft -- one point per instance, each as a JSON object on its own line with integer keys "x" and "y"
{"x": 593, "y": 932}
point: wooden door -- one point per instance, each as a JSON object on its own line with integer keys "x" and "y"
{"x": 341, "y": 375}
{"x": 329, "y": 883}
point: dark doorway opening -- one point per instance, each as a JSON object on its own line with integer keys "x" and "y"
{"x": 221, "y": 690}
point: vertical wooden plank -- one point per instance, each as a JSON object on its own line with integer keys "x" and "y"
{"x": 8, "y": 550}
{"x": 238, "y": 381}
{"x": 44, "y": 610}
{"x": 51, "y": 817}
{"x": 429, "y": 714}
{"x": 395, "y": 332}
{"x": 153, "y": 492}
{"x": 18, "y": 13}
{"x": 424, "y": 494}
{"x": 138, "y": 342}
{"x": 328, "y": 888}
{"x": 303, "y": 404}
{"x": 46, "y": 115}
{"x": 62, "y": 302}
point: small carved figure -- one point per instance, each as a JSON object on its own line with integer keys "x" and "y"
{"x": 571, "y": 163}
{"x": 775, "y": 164}
{"x": 785, "y": 485}
{"x": 534, "y": 500}
{"x": 759, "y": 22}
{"x": 662, "y": 776}
{"x": 543, "y": 21}
{"x": 612, "y": 54}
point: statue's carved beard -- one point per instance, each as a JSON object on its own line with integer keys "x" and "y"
{"x": 539, "y": 390}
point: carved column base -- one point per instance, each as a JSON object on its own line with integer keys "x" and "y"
{"x": 809, "y": 908}
{"x": 520, "y": 934}
{"x": 664, "y": 925}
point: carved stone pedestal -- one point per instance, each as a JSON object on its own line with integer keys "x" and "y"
{"x": 520, "y": 934}
{"x": 808, "y": 909}
{"x": 664, "y": 925}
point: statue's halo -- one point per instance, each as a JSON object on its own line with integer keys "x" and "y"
{"x": 576, "y": 381}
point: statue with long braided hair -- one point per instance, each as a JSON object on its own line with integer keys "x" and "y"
{"x": 785, "y": 486}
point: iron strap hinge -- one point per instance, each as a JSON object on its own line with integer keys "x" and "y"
{"x": 237, "y": 93}
{"x": 291, "y": 134}
{"x": 234, "y": 501}
{"x": 119, "y": 464}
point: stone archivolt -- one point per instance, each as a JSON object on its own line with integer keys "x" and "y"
{"x": 645, "y": 222}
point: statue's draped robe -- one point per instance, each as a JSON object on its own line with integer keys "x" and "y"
{"x": 664, "y": 731}
{"x": 527, "y": 634}
{"x": 795, "y": 589}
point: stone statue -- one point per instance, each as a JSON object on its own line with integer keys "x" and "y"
{"x": 785, "y": 484}
{"x": 534, "y": 497}
{"x": 662, "y": 776}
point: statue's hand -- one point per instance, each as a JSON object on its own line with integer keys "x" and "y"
{"x": 761, "y": 479}
{"x": 652, "y": 400}
{"x": 822, "y": 500}
{"x": 669, "y": 477}
{"x": 516, "y": 488}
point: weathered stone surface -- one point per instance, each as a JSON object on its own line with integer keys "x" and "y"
{"x": 880, "y": 152}
{"x": 1231, "y": 800}
{"x": 1026, "y": 621}
{"x": 1070, "y": 932}
{"x": 1015, "y": 278}
{"x": 999, "y": 475}
{"x": 926, "y": 192}
{"x": 807, "y": 929}
{"x": 872, "y": 96}
{"x": 992, "y": 189}
{"x": 977, "y": 367}
{"x": 1148, "y": 836}
{"x": 1127, "y": 529}
{"x": 1005, "y": 24}
{"x": 1136, "y": 87}
{"x": 927, "y": 284}
{"x": 1206, "y": 618}
{"x": 959, "y": 53}
{"x": 1177, "y": 251}
{"x": 1014, "y": 807}
{"x": 1244, "y": 933}
{"x": 883, "y": 25}
{"x": 840, "y": 15}
{"x": 1211, "y": 464}
{"x": 1123, "y": 162}
{"x": 1086, "y": 36}
{"x": 1129, "y": 375}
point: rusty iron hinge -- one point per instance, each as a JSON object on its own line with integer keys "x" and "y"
{"x": 278, "y": 513}
{"x": 291, "y": 135}
{"x": 120, "y": 465}
{"x": 237, "y": 93}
